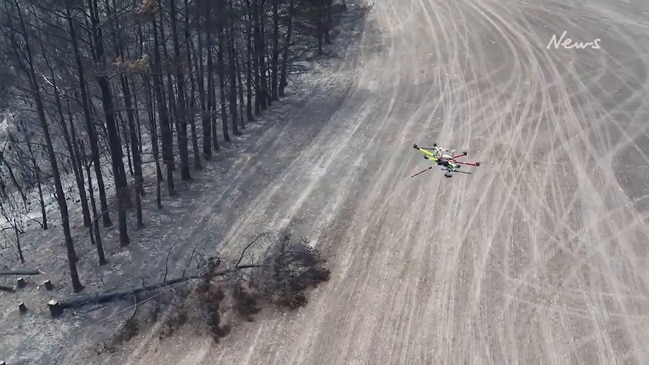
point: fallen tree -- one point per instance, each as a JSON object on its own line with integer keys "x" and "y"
{"x": 98, "y": 298}
{"x": 20, "y": 272}
{"x": 273, "y": 266}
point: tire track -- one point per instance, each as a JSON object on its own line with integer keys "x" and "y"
{"x": 535, "y": 258}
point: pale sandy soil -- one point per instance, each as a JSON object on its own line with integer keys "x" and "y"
{"x": 539, "y": 257}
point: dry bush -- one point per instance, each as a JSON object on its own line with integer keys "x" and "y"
{"x": 246, "y": 301}
{"x": 178, "y": 317}
{"x": 274, "y": 268}
{"x": 129, "y": 329}
{"x": 289, "y": 267}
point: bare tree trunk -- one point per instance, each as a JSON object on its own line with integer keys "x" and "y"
{"x": 221, "y": 71}
{"x": 232, "y": 63}
{"x": 138, "y": 123}
{"x": 18, "y": 244}
{"x": 239, "y": 66}
{"x": 260, "y": 79}
{"x": 165, "y": 128}
{"x": 37, "y": 174}
{"x": 60, "y": 194}
{"x": 209, "y": 132}
{"x": 122, "y": 127}
{"x": 135, "y": 150}
{"x": 181, "y": 113}
{"x": 171, "y": 98}
{"x": 14, "y": 181}
{"x": 114, "y": 140}
{"x": 90, "y": 127}
{"x": 206, "y": 100}
{"x": 129, "y": 130}
{"x": 261, "y": 53}
{"x": 95, "y": 218}
{"x": 192, "y": 97}
{"x": 154, "y": 141}
{"x": 275, "y": 56}
{"x": 78, "y": 175}
{"x": 211, "y": 89}
{"x": 287, "y": 45}
{"x": 249, "y": 65}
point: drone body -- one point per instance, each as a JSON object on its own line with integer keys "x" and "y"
{"x": 444, "y": 158}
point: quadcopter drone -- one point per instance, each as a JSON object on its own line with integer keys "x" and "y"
{"x": 444, "y": 158}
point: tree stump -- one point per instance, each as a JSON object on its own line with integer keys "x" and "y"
{"x": 55, "y": 308}
{"x": 48, "y": 285}
{"x": 21, "y": 282}
{"x": 22, "y": 308}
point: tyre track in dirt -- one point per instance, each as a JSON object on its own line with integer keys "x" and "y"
{"x": 536, "y": 257}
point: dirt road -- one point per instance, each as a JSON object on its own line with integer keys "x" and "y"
{"x": 540, "y": 256}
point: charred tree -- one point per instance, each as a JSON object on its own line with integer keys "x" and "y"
{"x": 181, "y": 113}
{"x": 94, "y": 232}
{"x": 261, "y": 54}
{"x": 275, "y": 52}
{"x": 135, "y": 150}
{"x": 114, "y": 140}
{"x": 29, "y": 69}
{"x": 90, "y": 126}
{"x": 130, "y": 132}
{"x": 36, "y": 172}
{"x": 286, "y": 48}
{"x": 211, "y": 90}
{"x": 232, "y": 73}
{"x": 240, "y": 71}
{"x": 192, "y": 96}
{"x": 250, "y": 66}
{"x": 163, "y": 112}
{"x": 78, "y": 175}
{"x": 200, "y": 72}
{"x": 221, "y": 71}
{"x": 153, "y": 127}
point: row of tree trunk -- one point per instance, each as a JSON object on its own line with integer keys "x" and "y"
{"x": 107, "y": 78}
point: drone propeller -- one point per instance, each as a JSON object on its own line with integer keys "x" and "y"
{"x": 422, "y": 171}
{"x": 415, "y": 146}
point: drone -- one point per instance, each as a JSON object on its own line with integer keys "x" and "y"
{"x": 444, "y": 158}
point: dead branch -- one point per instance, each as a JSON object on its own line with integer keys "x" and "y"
{"x": 192, "y": 256}
{"x": 164, "y": 279}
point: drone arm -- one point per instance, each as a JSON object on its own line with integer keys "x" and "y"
{"x": 427, "y": 154}
{"x": 476, "y": 164}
